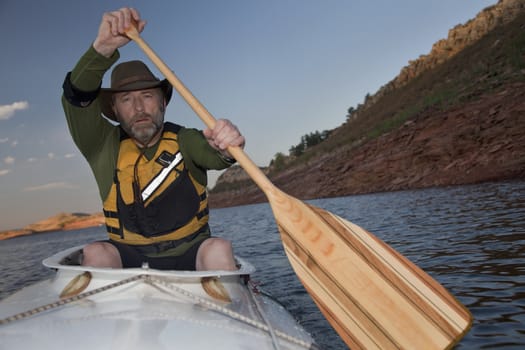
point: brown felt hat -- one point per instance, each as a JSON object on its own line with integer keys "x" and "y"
{"x": 131, "y": 76}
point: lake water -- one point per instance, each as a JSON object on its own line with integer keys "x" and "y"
{"x": 469, "y": 238}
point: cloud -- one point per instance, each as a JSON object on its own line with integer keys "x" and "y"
{"x": 31, "y": 160}
{"x": 51, "y": 155}
{"x": 50, "y": 186}
{"x": 9, "y": 160}
{"x": 3, "y": 172}
{"x": 14, "y": 143}
{"x": 7, "y": 111}
{"x": 69, "y": 155}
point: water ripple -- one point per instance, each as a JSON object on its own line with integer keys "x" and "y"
{"x": 469, "y": 238}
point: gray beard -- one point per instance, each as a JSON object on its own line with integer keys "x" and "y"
{"x": 143, "y": 134}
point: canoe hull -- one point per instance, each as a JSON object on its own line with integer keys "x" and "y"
{"x": 145, "y": 309}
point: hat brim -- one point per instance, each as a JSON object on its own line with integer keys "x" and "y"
{"x": 105, "y": 95}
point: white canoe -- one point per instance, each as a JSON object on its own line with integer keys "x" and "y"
{"x": 144, "y": 308}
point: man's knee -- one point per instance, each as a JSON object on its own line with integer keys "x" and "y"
{"x": 218, "y": 245}
{"x": 101, "y": 254}
{"x": 215, "y": 254}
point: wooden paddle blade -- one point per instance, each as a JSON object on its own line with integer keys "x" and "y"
{"x": 372, "y": 296}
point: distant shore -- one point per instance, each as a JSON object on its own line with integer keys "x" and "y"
{"x": 59, "y": 222}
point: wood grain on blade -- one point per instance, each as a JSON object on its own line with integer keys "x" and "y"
{"x": 372, "y": 295}
{"x": 400, "y": 270}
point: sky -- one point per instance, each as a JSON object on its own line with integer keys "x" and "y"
{"x": 279, "y": 69}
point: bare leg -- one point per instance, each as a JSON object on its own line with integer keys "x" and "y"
{"x": 101, "y": 254}
{"x": 215, "y": 254}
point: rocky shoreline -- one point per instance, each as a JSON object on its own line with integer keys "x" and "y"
{"x": 477, "y": 142}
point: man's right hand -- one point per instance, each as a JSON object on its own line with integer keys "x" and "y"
{"x": 112, "y": 30}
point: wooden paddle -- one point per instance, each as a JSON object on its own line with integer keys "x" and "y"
{"x": 373, "y": 296}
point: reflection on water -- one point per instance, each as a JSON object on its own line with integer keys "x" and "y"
{"x": 469, "y": 238}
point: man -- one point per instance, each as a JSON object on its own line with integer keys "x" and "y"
{"x": 151, "y": 175}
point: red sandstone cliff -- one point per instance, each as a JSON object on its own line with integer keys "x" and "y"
{"x": 454, "y": 116}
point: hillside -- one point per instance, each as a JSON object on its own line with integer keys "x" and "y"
{"x": 453, "y": 116}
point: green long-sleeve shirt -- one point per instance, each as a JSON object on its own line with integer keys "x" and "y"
{"x": 98, "y": 139}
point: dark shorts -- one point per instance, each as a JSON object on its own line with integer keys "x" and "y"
{"x": 135, "y": 256}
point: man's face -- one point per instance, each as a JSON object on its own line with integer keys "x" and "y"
{"x": 140, "y": 113}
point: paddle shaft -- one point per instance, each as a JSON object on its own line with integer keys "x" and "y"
{"x": 248, "y": 165}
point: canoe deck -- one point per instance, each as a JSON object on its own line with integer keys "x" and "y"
{"x": 144, "y": 308}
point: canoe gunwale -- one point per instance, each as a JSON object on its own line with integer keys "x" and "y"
{"x": 54, "y": 262}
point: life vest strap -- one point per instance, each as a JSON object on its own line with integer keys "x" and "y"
{"x": 110, "y": 214}
{"x": 202, "y": 213}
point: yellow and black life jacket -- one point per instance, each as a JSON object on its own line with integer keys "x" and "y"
{"x": 154, "y": 200}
